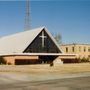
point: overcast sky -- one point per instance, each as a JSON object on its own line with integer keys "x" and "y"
{"x": 70, "y": 18}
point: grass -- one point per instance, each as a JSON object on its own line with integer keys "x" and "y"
{"x": 41, "y": 69}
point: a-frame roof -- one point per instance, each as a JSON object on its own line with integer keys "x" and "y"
{"x": 17, "y": 43}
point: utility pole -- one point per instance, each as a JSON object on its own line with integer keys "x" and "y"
{"x": 27, "y": 16}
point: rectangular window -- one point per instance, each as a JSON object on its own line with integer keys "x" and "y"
{"x": 84, "y": 49}
{"x": 66, "y": 49}
{"x": 79, "y": 49}
{"x": 73, "y": 49}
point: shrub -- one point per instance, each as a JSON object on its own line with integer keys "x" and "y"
{"x": 82, "y": 60}
{"x": 2, "y": 61}
{"x": 85, "y": 59}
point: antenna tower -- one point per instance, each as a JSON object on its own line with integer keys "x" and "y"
{"x": 27, "y": 16}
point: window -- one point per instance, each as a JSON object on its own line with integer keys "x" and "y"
{"x": 73, "y": 49}
{"x": 84, "y": 49}
{"x": 79, "y": 49}
{"x": 89, "y": 49}
{"x": 66, "y": 49}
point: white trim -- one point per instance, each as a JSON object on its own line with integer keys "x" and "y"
{"x": 38, "y": 54}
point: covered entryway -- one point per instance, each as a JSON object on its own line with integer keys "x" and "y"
{"x": 47, "y": 59}
{"x": 41, "y": 58}
{"x": 38, "y": 58}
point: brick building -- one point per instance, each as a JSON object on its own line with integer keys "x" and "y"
{"x": 83, "y": 50}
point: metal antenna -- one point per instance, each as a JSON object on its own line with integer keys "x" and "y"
{"x": 27, "y": 16}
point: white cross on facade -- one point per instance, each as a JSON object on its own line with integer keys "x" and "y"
{"x": 43, "y": 38}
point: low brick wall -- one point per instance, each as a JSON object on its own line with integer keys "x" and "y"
{"x": 11, "y": 59}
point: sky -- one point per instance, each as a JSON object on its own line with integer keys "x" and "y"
{"x": 70, "y": 18}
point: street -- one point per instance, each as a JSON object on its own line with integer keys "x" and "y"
{"x": 79, "y": 83}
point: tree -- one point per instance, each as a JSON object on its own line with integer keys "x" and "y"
{"x": 58, "y": 38}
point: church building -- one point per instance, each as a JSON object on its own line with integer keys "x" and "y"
{"x": 29, "y": 47}
{"x": 35, "y": 46}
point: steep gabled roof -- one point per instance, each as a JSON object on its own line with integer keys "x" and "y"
{"x": 17, "y": 43}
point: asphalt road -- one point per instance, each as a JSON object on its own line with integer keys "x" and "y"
{"x": 78, "y": 83}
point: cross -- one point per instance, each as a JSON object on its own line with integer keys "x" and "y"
{"x": 43, "y": 38}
